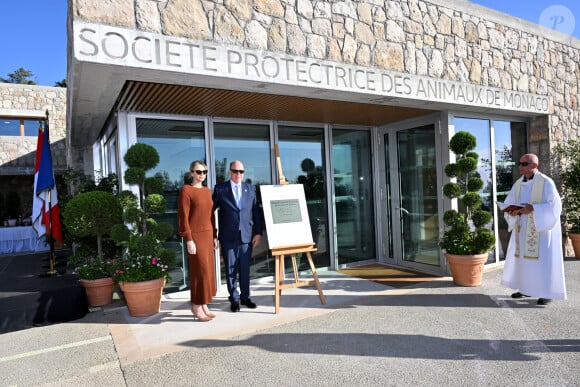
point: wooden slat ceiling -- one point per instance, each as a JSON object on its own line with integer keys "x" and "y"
{"x": 187, "y": 100}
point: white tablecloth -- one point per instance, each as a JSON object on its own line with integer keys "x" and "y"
{"x": 20, "y": 239}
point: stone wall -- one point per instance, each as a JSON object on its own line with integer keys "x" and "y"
{"x": 454, "y": 40}
{"x": 18, "y": 153}
{"x": 460, "y": 41}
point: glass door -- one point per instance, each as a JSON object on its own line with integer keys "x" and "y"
{"x": 250, "y": 144}
{"x": 409, "y": 198}
{"x": 178, "y": 143}
{"x": 302, "y": 152}
{"x": 353, "y": 199}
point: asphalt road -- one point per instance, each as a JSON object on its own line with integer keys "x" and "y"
{"x": 434, "y": 333}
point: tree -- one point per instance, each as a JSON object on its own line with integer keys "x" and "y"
{"x": 92, "y": 214}
{"x": 466, "y": 232}
{"x": 60, "y": 83}
{"x": 144, "y": 236}
{"x": 20, "y": 76}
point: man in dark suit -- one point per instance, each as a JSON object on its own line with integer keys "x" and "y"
{"x": 239, "y": 230}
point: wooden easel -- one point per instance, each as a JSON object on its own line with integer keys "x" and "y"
{"x": 281, "y": 177}
{"x": 279, "y": 254}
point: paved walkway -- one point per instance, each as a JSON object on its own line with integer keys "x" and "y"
{"x": 434, "y": 333}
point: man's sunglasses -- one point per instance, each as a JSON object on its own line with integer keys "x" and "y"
{"x": 238, "y": 171}
{"x": 524, "y": 164}
{"x": 201, "y": 172}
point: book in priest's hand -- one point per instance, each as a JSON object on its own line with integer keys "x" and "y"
{"x": 507, "y": 207}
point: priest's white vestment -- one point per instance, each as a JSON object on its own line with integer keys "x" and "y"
{"x": 534, "y": 262}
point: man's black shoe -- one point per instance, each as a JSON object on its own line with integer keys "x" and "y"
{"x": 249, "y": 304}
{"x": 235, "y": 306}
{"x": 519, "y": 295}
{"x": 544, "y": 301}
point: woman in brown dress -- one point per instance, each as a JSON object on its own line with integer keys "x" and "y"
{"x": 197, "y": 226}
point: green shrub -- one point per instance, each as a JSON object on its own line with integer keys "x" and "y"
{"x": 570, "y": 176}
{"x": 92, "y": 214}
{"x": 466, "y": 233}
{"x": 140, "y": 235}
{"x": 88, "y": 218}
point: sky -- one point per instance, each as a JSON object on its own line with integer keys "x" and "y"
{"x": 34, "y": 31}
{"x": 33, "y": 36}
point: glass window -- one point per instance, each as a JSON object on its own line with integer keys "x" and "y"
{"x": 353, "y": 201}
{"x": 480, "y": 128}
{"x": 178, "y": 144}
{"x": 250, "y": 144}
{"x": 18, "y": 127}
{"x": 111, "y": 156}
{"x": 245, "y": 142}
{"x": 510, "y": 143}
{"x": 302, "y": 157}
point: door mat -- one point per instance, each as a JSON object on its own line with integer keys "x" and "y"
{"x": 387, "y": 275}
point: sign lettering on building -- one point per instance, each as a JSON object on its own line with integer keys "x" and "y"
{"x": 132, "y": 48}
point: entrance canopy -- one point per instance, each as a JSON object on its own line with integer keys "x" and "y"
{"x": 157, "y": 73}
{"x": 99, "y": 89}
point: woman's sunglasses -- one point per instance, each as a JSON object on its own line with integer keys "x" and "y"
{"x": 201, "y": 172}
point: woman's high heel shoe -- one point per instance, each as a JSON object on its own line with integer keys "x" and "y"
{"x": 206, "y": 311}
{"x": 198, "y": 317}
{"x": 201, "y": 319}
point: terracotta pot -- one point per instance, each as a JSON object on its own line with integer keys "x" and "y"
{"x": 575, "y": 238}
{"x": 467, "y": 270}
{"x": 99, "y": 291}
{"x": 143, "y": 298}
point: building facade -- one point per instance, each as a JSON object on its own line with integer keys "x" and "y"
{"x": 361, "y": 98}
{"x": 22, "y": 107}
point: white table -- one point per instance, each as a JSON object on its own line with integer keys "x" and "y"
{"x": 20, "y": 239}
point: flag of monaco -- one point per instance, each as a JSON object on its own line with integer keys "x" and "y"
{"x": 45, "y": 190}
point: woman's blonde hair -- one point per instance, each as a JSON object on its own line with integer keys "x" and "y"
{"x": 196, "y": 162}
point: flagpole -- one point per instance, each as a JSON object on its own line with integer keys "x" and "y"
{"x": 52, "y": 259}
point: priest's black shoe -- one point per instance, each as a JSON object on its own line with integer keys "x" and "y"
{"x": 519, "y": 295}
{"x": 544, "y": 301}
{"x": 235, "y": 306}
{"x": 249, "y": 304}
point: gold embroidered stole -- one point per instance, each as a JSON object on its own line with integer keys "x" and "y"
{"x": 532, "y": 238}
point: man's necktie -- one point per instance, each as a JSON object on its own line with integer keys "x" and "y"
{"x": 237, "y": 195}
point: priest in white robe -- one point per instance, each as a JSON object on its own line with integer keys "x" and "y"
{"x": 534, "y": 262}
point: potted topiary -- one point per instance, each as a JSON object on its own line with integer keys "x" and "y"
{"x": 570, "y": 176}
{"x": 466, "y": 240}
{"x": 90, "y": 215}
{"x": 143, "y": 269}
